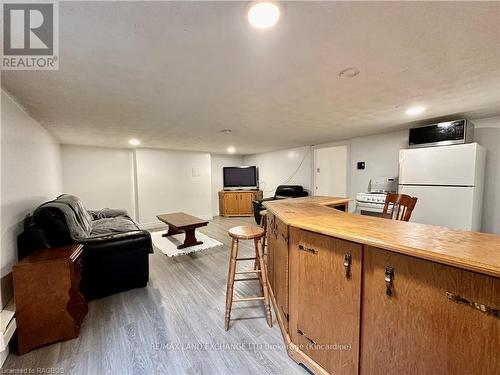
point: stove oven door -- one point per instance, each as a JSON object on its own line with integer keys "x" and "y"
{"x": 369, "y": 209}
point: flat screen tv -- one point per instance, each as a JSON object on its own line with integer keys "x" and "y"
{"x": 240, "y": 178}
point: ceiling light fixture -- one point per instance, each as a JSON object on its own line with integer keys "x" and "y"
{"x": 231, "y": 150}
{"x": 134, "y": 142}
{"x": 349, "y": 72}
{"x": 263, "y": 15}
{"x": 226, "y": 131}
{"x": 416, "y": 110}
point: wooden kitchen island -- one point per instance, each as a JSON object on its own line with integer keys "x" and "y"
{"x": 363, "y": 295}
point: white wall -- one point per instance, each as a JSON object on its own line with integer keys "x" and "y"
{"x": 217, "y": 163}
{"x": 30, "y": 175}
{"x": 379, "y": 152}
{"x": 168, "y": 185}
{"x": 104, "y": 177}
{"x": 170, "y": 181}
{"x": 284, "y": 167}
{"x": 381, "y": 156}
{"x": 487, "y": 133}
{"x": 100, "y": 177}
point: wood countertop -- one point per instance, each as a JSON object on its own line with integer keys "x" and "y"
{"x": 474, "y": 251}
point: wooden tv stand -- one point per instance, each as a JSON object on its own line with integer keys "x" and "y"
{"x": 237, "y": 202}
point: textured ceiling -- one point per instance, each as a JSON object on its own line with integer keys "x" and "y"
{"x": 174, "y": 74}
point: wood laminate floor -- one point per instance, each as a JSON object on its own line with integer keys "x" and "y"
{"x": 175, "y": 325}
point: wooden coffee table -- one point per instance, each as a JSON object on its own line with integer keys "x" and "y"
{"x": 179, "y": 222}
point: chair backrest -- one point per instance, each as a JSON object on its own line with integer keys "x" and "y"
{"x": 399, "y": 206}
{"x": 289, "y": 191}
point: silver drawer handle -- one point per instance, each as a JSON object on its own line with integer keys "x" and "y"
{"x": 388, "y": 278}
{"x": 347, "y": 265}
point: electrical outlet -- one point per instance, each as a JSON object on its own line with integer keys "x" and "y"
{"x": 195, "y": 172}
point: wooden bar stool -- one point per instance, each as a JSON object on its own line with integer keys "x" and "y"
{"x": 255, "y": 233}
{"x": 263, "y": 225}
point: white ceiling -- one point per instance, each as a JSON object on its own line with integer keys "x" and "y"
{"x": 174, "y": 74}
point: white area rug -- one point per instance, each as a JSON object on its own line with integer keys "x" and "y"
{"x": 168, "y": 245}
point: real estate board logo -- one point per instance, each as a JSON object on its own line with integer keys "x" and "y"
{"x": 30, "y": 36}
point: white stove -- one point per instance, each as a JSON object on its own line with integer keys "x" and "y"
{"x": 373, "y": 202}
{"x": 367, "y": 203}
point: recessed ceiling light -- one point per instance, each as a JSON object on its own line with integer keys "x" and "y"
{"x": 226, "y": 131}
{"x": 416, "y": 110}
{"x": 231, "y": 150}
{"x": 263, "y": 15}
{"x": 134, "y": 142}
{"x": 349, "y": 72}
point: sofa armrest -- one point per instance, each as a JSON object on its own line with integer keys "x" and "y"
{"x": 119, "y": 242}
{"x": 107, "y": 213}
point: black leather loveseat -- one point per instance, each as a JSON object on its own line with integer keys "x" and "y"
{"x": 282, "y": 192}
{"x": 115, "y": 252}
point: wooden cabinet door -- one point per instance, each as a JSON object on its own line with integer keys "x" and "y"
{"x": 245, "y": 203}
{"x": 271, "y": 245}
{"x": 324, "y": 302}
{"x": 231, "y": 204}
{"x": 420, "y": 329}
{"x": 280, "y": 262}
{"x": 277, "y": 257}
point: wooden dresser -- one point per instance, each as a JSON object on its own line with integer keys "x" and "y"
{"x": 362, "y": 295}
{"x": 49, "y": 305}
{"x": 237, "y": 202}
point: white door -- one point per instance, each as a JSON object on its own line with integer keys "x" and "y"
{"x": 330, "y": 171}
{"x": 447, "y": 206}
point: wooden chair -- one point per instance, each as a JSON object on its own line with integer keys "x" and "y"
{"x": 399, "y": 206}
{"x": 255, "y": 233}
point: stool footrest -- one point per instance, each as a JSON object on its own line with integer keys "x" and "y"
{"x": 238, "y": 259}
{"x": 244, "y": 272}
{"x": 249, "y": 279}
{"x": 248, "y": 299}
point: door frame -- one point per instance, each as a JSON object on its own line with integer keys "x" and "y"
{"x": 348, "y": 164}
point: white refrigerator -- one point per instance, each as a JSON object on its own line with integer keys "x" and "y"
{"x": 448, "y": 182}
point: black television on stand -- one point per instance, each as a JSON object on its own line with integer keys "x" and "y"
{"x": 240, "y": 178}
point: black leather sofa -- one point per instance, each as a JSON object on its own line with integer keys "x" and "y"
{"x": 115, "y": 252}
{"x": 282, "y": 192}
